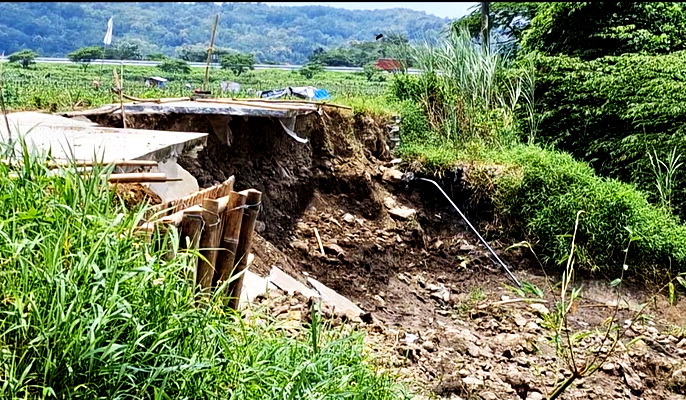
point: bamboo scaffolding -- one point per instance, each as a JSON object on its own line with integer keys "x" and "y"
{"x": 233, "y": 218}
{"x": 209, "y": 243}
{"x": 253, "y": 201}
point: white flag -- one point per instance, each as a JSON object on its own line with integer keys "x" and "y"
{"x": 108, "y": 36}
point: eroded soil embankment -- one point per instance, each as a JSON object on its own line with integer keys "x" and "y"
{"x": 399, "y": 252}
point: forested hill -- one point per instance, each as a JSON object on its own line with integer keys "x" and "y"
{"x": 273, "y": 33}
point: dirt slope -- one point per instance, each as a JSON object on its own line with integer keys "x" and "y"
{"x": 439, "y": 303}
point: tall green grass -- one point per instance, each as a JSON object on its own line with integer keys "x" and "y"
{"x": 465, "y": 90}
{"x": 91, "y": 310}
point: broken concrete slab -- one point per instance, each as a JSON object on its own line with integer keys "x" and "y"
{"x": 341, "y": 305}
{"x": 70, "y": 139}
{"x": 174, "y": 190}
{"x": 253, "y": 286}
{"x": 289, "y": 284}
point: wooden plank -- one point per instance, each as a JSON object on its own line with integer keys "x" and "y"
{"x": 233, "y": 218}
{"x": 253, "y": 202}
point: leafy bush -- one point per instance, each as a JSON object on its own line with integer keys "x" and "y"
{"x": 174, "y": 66}
{"x": 311, "y": 69}
{"x": 24, "y": 57}
{"x": 238, "y": 63}
{"x": 614, "y": 111}
{"x": 85, "y": 55}
{"x": 599, "y": 28}
{"x": 544, "y": 189}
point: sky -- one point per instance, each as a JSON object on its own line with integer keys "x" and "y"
{"x": 451, "y": 10}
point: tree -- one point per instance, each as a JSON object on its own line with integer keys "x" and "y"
{"x": 372, "y": 73}
{"x": 594, "y": 29}
{"x": 238, "y": 63}
{"x": 175, "y": 66}
{"x": 311, "y": 69}
{"x": 123, "y": 51}
{"x": 85, "y": 55}
{"x": 508, "y": 23}
{"x": 156, "y": 57}
{"x": 24, "y": 57}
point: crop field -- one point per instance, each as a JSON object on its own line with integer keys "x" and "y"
{"x": 64, "y": 87}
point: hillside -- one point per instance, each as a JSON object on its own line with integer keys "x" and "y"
{"x": 273, "y": 33}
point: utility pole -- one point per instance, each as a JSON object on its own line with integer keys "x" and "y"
{"x": 485, "y": 26}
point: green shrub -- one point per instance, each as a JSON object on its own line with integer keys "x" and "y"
{"x": 545, "y": 189}
{"x": 613, "y": 111}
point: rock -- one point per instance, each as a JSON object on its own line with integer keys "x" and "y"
{"x": 608, "y": 367}
{"x": 472, "y": 381}
{"x": 392, "y": 175}
{"x": 678, "y": 379}
{"x": 336, "y": 249}
{"x": 301, "y": 226}
{"x": 532, "y": 327}
{"x": 260, "y": 226}
{"x": 403, "y": 212}
{"x": 516, "y": 378}
{"x": 519, "y": 320}
{"x": 682, "y": 343}
{"x": 300, "y": 245}
{"x": 440, "y": 292}
{"x": 540, "y": 308}
{"x": 380, "y": 302}
{"x": 631, "y": 378}
{"x": 349, "y": 218}
{"x": 429, "y": 346}
{"x": 389, "y": 202}
{"x": 534, "y": 396}
{"x": 410, "y": 338}
{"x": 488, "y": 396}
{"x": 467, "y": 247}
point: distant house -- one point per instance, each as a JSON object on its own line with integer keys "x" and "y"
{"x": 389, "y": 64}
{"x": 155, "y": 81}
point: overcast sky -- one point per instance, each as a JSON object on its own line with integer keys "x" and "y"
{"x": 446, "y": 10}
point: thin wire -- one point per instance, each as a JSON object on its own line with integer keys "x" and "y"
{"x": 514, "y": 279}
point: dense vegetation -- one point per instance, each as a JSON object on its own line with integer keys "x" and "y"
{"x": 615, "y": 111}
{"x": 92, "y": 310}
{"x": 272, "y": 33}
{"x": 479, "y": 108}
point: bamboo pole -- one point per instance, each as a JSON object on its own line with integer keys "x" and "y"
{"x": 209, "y": 243}
{"x": 191, "y": 227}
{"x": 209, "y": 52}
{"x": 139, "y": 177}
{"x": 233, "y": 218}
{"x": 118, "y": 163}
{"x": 253, "y": 200}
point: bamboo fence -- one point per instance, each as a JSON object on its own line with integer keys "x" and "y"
{"x": 219, "y": 223}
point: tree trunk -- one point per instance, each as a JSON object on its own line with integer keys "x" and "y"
{"x": 485, "y": 26}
